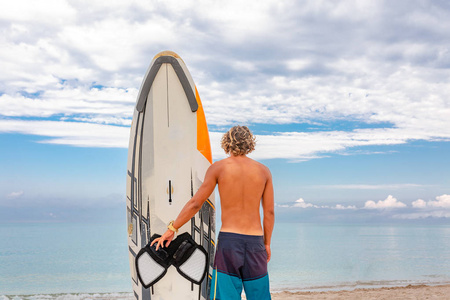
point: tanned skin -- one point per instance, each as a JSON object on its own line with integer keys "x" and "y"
{"x": 244, "y": 185}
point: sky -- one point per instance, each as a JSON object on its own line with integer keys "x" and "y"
{"x": 349, "y": 101}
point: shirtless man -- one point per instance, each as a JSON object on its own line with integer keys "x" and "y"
{"x": 243, "y": 248}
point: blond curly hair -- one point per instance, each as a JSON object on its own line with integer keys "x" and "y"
{"x": 239, "y": 140}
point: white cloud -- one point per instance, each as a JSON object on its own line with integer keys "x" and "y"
{"x": 71, "y": 133}
{"x": 302, "y": 204}
{"x": 389, "y": 202}
{"x": 14, "y": 195}
{"x": 293, "y": 146}
{"x": 298, "y": 146}
{"x": 435, "y": 209}
{"x": 442, "y": 201}
{"x": 306, "y": 73}
{"x": 419, "y": 203}
{"x": 342, "y": 207}
{"x": 47, "y": 12}
{"x": 282, "y": 205}
{"x": 107, "y": 102}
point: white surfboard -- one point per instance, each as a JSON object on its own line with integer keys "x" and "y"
{"x": 168, "y": 155}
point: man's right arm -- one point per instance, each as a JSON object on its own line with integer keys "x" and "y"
{"x": 269, "y": 213}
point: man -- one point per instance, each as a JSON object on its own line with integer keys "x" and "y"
{"x": 243, "y": 247}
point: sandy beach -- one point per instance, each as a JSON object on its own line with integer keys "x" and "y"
{"x": 418, "y": 292}
{"x": 408, "y": 292}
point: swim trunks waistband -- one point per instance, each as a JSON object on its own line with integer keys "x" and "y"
{"x": 247, "y": 237}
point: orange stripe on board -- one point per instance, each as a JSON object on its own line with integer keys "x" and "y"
{"x": 207, "y": 200}
{"x": 203, "y": 143}
{"x": 166, "y": 53}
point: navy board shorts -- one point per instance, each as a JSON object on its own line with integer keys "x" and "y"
{"x": 240, "y": 261}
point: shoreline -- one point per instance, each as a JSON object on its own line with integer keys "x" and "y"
{"x": 419, "y": 291}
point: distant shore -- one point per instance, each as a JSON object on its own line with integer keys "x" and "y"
{"x": 387, "y": 293}
{"x": 408, "y": 292}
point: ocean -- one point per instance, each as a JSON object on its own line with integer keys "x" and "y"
{"x": 90, "y": 261}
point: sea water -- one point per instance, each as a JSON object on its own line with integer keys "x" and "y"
{"x": 90, "y": 261}
{"x": 330, "y": 257}
{"x": 37, "y": 258}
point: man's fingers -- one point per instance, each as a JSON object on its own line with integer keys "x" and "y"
{"x": 161, "y": 240}
{"x": 160, "y": 244}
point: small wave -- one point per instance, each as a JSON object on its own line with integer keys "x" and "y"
{"x": 72, "y": 296}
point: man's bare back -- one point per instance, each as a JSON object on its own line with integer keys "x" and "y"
{"x": 242, "y": 183}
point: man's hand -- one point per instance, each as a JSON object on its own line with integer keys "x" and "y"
{"x": 167, "y": 236}
{"x": 269, "y": 254}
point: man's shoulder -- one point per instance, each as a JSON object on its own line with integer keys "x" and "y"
{"x": 264, "y": 169}
{"x": 259, "y": 164}
{"x": 217, "y": 165}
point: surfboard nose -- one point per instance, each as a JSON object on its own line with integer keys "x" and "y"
{"x": 181, "y": 72}
{"x": 167, "y": 53}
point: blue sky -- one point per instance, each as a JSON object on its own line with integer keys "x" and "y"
{"x": 349, "y": 101}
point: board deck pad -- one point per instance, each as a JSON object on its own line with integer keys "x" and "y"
{"x": 168, "y": 155}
